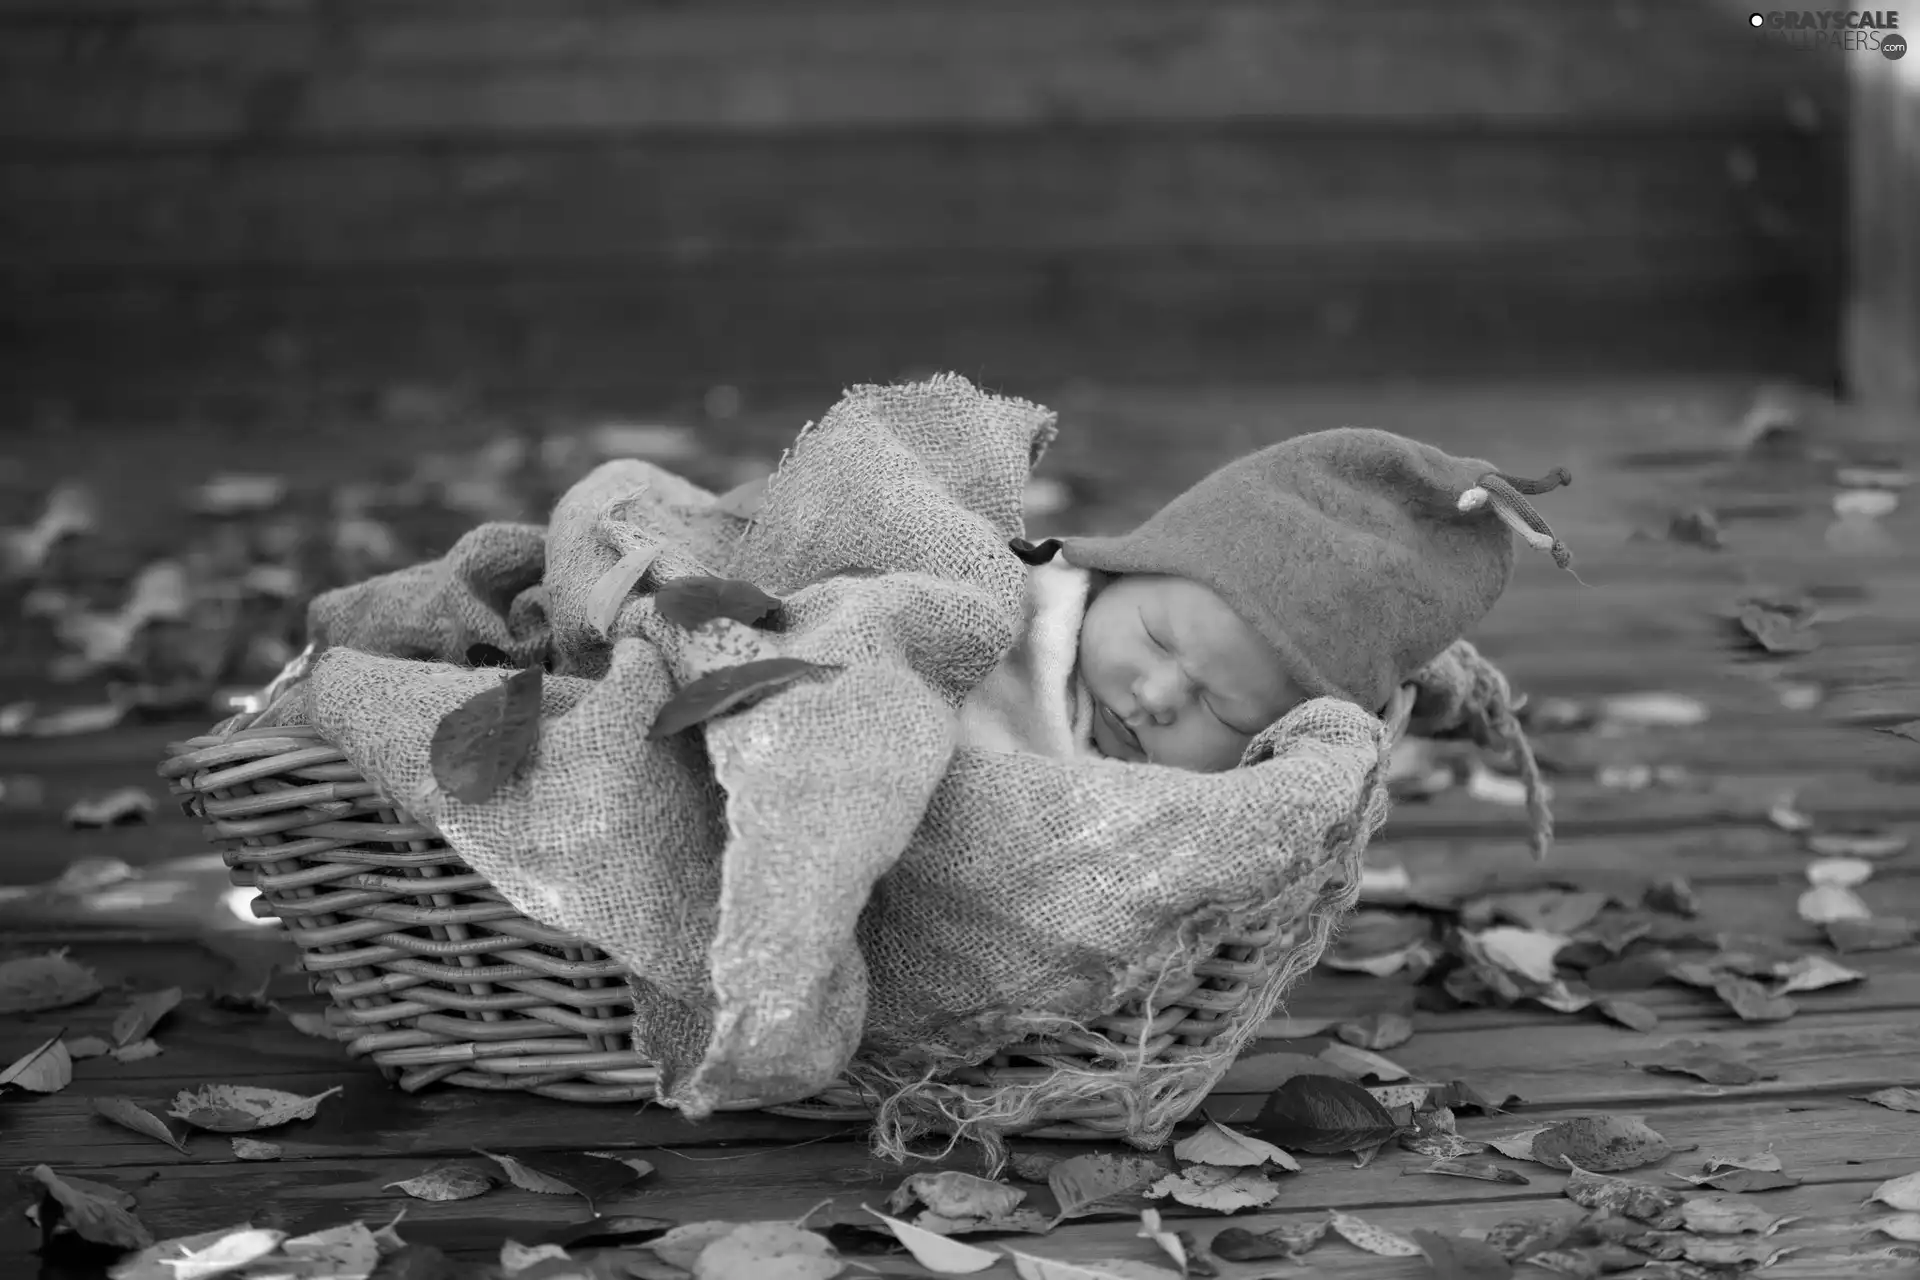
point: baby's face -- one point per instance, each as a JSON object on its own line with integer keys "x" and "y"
{"x": 1178, "y": 678}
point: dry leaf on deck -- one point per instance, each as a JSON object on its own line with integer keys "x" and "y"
{"x": 142, "y": 1014}
{"x": 254, "y": 1149}
{"x": 1170, "y": 1242}
{"x": 1627, "y": 1013}
{"x": 87, "y": 1047}
{"x": 957, "y": 1195}
{"x": 682, "y": 1245}
{"x": 1215, "y": 1144}
{"x": 1478, "y": 1170}
{"x": 32, "y": 984}
{"x": 1560, "y": 911}
{"x": 516, "y": 1259}
{"x": 124, "y": 806}
{"x": 1847, "y": 873}
{"x": 1658, "y": 1207}
{"x": 346, "y": 1252}
{"x": 1376, "y": 1031}
{"x": 1324, "y": 1116}
{"x": 1882, "y": 933}
{"x": 129, "y": 1114}
{"x": 1814, "y": 973}
{"x": 446, "y": 1182}
{"x": 1901, "y": 1226}
{"x": 1727, "y": 1215}
{"x": 1202, "y": 1186}
{"x": 1363, "y": 1064}
{"x": 1825, "y": 903}
{"x": 241, "y": 1108}
{"x": 1600, "y": 1144}
{"x": 718, "y": 692}
{"x": 480, "y": 744}
{"x": 1894, "y": 1099}
{"x": 768, "y": 1251}
{"x": 1734, "y": 1252}
{"x": 936, "y": 1252}
{"x": 189, "y": 1256}
{"x": 1653, "y": 710}
{"x": 1902, "y": 1193}
{"x": 1032, "y": 1267}
{"x": 1434, "y": 1135}
{"x": 1362, "y": 1234}
{"x": 1857, "y": 844}
{"x": 610, "y": 592}
{"x": 1289, "y": 1240}
{"x": 1751, "y": 1001}
{"x": 94, "y": 1218}
{"x": 1517, "y": 1146}
{"x": 693, "y": 602}
{"x": 1102, "y": 1183}
{"x": 1521, "y": 1237}
{"x": 1744, "y": 1181}
{"x": 138, "y": 1051}
{"x": 557, "y": 1173}
{"x": 1459, "y": 1258}
{"x": 47, "y": 1068}
{"x": 1713, "y": 1063}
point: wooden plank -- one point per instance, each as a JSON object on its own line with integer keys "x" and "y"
{"x": 1882, "y": 333}
{"x": 224, "y": 77}
{"x": 681, "y": 200}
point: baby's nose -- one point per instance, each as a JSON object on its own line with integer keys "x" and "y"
{"x": 1160, "y": 695}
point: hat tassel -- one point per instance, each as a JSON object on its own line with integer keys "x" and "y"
{"x": 1505, "y": 495}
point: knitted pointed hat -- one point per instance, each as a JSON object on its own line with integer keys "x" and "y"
{"x": 1358, "y": 554}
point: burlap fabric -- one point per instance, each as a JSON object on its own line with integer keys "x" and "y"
{"x": 822, "y": 882}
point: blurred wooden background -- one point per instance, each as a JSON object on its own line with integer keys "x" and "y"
{"x": 212, "y": 208}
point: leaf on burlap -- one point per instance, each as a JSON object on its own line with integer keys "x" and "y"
{"x": 1600, "y": 1144}
{"x": 1728, "y": 1215}
{"x": 1032, "y": 1267}
{"x": 1711, "y": 1062}
{"x": 46, "y": 1068}
{"x": 1656, "y": 1206}
{"x": 719, "y": 692}
{"x": 142, "y": 1014}
{"x": 1216, "y": 1144}
{"x": 33, "y": 984}
{"x": 1101, "y": 1183}
{"x": 1902, "y": 1193}
{"x": 1202, "y": 1186}
{"x": 129, "y": 1114}
{"x": 1751, "y": 1001}
{"x": 937, "y": 1252}
{"x": 1826, "y": 903}
{"x": 480, "y": 744}
{"x": 95, "y": 1218}
{"x": 610, "y": 591}
{"x": 1364, "y": 1064}
{"x": 1376, "y": 1031}
{"x": 1458, "y": 1258}
{"x": 1324, "y": 1116}
{"x": 1289, "y": 1240}
{"x": 1857, "y": 844}
{"x": 693, "y": 602}
{"x": 744, "y": 501}
{"x": 1894, "y": 1099}
{"x": 1379, "y": 1241}
{"x": 1814, "y": 973}
{"x": 956, "y": 1195}
{"x": 446, "y": 1182}
{"x": 241, "y": 1108}
{"x": 1627, "y": 1013}
{"x": 1882, "y": 933}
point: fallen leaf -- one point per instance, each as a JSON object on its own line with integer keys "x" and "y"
{"x": 517, "y": 1259}
{"x": 1265, "y": 1072}
{"x": 480, "y": 744}
{"x": 69, "y": 722}
{"x": 1459, "y": 1258}
{"x": 681, "y": 1246}
{"x": 1029, "y": 1166}
{"x": 695, "y": 601}
{"x": 1600, "y": 1144}
{"x": 1101, "y": 1184}
{"x": 1751, "y": 1001}
{"x": 1414, "y": 1097}
{"x": 957, "y": 1195}
{"x": 1363, "y": 1064}
{"x": 446, "y": 1182}
{"x": 1845, "y": 873}
{"x": 1517, "y": 1146}
{"x": 125, "y": 806}
{"x": 45, "y": 1069}
{"x": 1170, "y": 1242}
{"x": 1553, "y": 911}
{"x": 1434, "y": 1135}
{"x": 231, "y": 493}
{"x": 1895, "y": 1099}
{"x": 138, "y": 1051}
{"x": 1376, "y": 1031}
{"x": 1901, "y": 1226}
{"x": 33, "y": 984}
{"x": 1220, "y": 1190}
{"x": 254, "y": 1149}
{"x": 1910, "y": 730}
{"x": 240, "y": 1108}
{"x": 1902, "y": 1193}
{"x": 1215, "y": 1144}
{"x": 722, "y": 691}
{"x": 609, "y": 593}
{"x": 1713, "y": 1063}
{"x": 1778, "y": 626}
{"x": 1814, "y": 973}
{"x": 1696, "y": 526}
{"x": 591, "y": 1177}
{"x": 1518, "y": 1238}
{"x": 1865, "y": 504}
{"x": 743, "y": 501}
{"x": 1654, "y": 710}
{"x": 768, "y": 1251}
{"x": 1729, "y": 1216}
{"x": 1861, "y": 845}
{"x": 346, "y": 1252}
{"x": 203, "y": 1254}
{"x": 129, "y": 1114}
{"x": 1362, "y": 1234}
{"x": 87, "y": 1047}
{"x": 1324, "y": 1116}
{"x": 94, "y": 1218}
{"x": 936, "y": 1252}
{"x": 1629, "y": 1014}
{"x": 1478, "y": 1170}
{"x": 1735, "y": 1252}
{"x": 1289, "y": 1240}
{"x": 142, "y": 1014}
{"x": 1032, "y": 1267}
{"x": 1785, "y": 814}
{"x": 1744, "y": 1181}
{"x": 1825, "y": 903}
{"x": 1882, "y": 933}
{"x": 1658, "y": 1207}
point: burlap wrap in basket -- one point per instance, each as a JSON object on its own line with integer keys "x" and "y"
{"x": 822, "y": 887}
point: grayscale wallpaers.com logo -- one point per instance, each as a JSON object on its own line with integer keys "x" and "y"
{"x": 1846, "y": 30}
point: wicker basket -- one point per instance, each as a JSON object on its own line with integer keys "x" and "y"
{"x": 437, "y": 979}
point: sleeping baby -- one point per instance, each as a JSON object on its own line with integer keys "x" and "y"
{"x": 1334, "y": 564}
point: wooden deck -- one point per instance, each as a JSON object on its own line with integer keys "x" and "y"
{"x": 1648, "y": 618}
